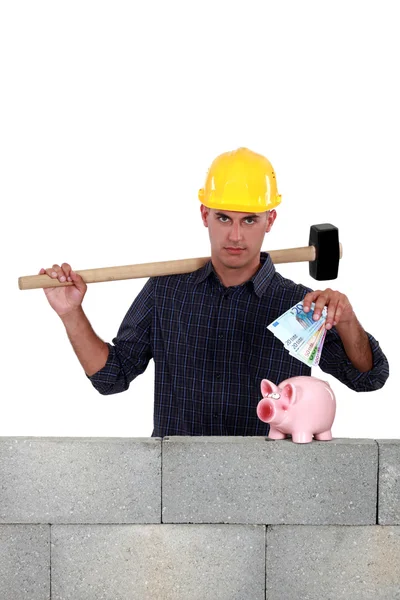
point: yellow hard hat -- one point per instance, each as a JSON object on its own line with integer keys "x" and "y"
{"x": 242, "y": 181}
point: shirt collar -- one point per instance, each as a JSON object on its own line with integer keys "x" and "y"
{"x": 261, "y": 280}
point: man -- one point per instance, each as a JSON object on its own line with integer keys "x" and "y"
{"x": 207, "y": 330}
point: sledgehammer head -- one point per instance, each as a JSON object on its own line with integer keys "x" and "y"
{"x": 325, "y": 239}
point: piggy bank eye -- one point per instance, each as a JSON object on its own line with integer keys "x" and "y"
{"x": 274, "y": 396}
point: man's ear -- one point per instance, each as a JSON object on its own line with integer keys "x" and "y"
{"x": 270, "y": 220}
{"x": 205, "y": 211}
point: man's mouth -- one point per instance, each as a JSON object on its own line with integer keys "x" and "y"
{"x": 234, "y": 250}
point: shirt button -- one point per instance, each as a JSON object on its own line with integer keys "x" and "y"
{"x": 215, "y": 415}
{"x": 218, "y": 375}
{"x": 221, "y": 335}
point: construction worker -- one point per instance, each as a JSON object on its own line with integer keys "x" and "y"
{"x": 207, "y": 330}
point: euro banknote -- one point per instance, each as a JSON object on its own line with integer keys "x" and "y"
{"x": 300, "y": 334}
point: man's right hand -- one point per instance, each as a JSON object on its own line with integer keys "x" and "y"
{"x": 64, "y": 299}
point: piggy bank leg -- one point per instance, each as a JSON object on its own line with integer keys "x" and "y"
{"x": 325, "y": 435}
{"x": 274, "y": 434}
{"x": 302, "y": 437}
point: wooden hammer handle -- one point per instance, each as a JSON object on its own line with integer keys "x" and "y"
{"x": 155, "y": 269}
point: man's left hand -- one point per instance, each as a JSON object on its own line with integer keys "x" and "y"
{"x": 338, "y": 305}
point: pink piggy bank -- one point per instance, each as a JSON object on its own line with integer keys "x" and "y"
{"x": 301, "y": 406}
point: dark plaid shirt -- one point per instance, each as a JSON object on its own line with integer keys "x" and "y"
{"x": 211, "y": 349}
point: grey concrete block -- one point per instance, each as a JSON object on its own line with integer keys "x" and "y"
{"x": 80, "y": 480}
{"x": 332, "y": 562}
{"x": 24, "y": 562}
{"x": 254, "y": 480}
{"x": 163, "y": 562}
{"x": 389, "y": 482}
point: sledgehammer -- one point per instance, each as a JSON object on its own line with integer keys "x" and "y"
{"x": 322, "y": 254}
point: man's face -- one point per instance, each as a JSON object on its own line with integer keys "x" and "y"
{"x": 236, "y": 237}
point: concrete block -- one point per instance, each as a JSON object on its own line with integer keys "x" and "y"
{"x": 389, "y": 482}
{"x": 80, "y": 480}
{"x": 24, "y": 562}
{"x": 163, "y": 562}
{"x": 257, "y": 480}
{"x": 331, "y": 562}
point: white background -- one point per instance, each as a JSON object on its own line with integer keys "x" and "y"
{"x": 111, "y": 114}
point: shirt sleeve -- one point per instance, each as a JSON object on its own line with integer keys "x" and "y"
{"x": 335, "y": 361}
{"x": 131, "y": 352}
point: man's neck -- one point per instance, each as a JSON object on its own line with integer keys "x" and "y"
{"x": 230, "y": 277}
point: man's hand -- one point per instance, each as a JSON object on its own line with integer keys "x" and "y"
{"x": 338, "y": 305}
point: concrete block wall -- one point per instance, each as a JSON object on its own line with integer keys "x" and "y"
{"x": 238, "y": 518}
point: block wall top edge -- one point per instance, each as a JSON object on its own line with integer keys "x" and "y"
{"x": 192, "y": 440}
{"x": 388, "y": 441}
{"x": 261, "y": 439}
{"x": 56, "y": 439}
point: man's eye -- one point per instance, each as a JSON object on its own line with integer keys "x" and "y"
{"x": 227, "y": 219}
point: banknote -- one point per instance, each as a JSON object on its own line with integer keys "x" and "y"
{"x": 295, "y": 326}
{"x": 300, "y": 334}
{"x": 319, "y": 349}
{"x": 308, "y": 346}
{"x": 310, "y": 353}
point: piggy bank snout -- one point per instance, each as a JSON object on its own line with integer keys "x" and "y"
{"x": 266, "y": 410}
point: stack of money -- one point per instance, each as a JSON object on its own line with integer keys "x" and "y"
{"x": 301, "y": 335}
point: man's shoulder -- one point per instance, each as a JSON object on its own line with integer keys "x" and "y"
{"x": 283, "y": 283}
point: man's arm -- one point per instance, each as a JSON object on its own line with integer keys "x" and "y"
{"x": 91, "y": 351}
{"x": 132, "y": 349}
{"x": 340, "y": 314}
{"x": 356, "y": 344}
{"x": 350, "y": 353}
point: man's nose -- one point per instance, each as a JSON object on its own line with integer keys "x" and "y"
{"x": 235, "y": 233}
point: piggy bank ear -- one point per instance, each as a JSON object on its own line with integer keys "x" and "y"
{"x": 267, "y": 387}
{"x": 289, "y": 393}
